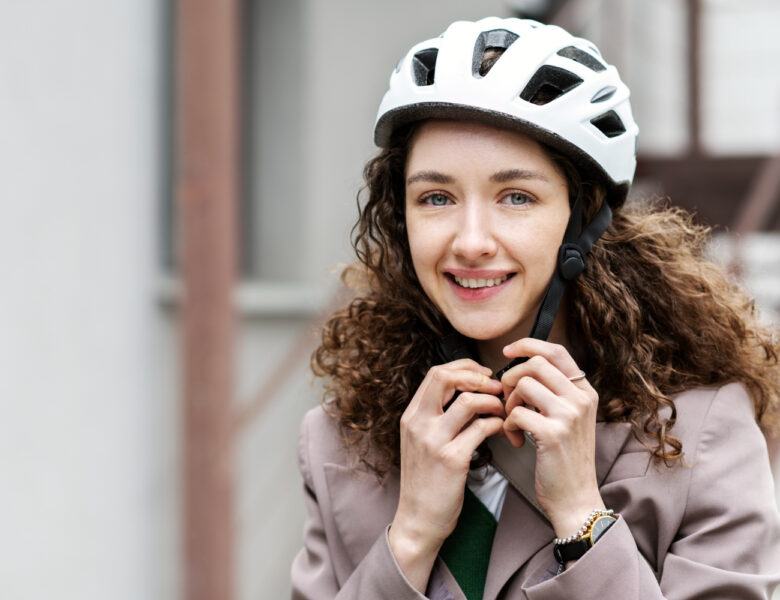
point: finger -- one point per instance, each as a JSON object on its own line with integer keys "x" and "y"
{"x": 468, "y": 406}
{"x": 440, "y": 383}
{"x": 530, "y": 392}
{"x": 475, "y": 433}
{"x": 555, "y": 354}
{"x": 539, "y": 368}
{"x": 523, "y": 419}
{"x": 443, "y": 383}
{"x": 516, "y": 438}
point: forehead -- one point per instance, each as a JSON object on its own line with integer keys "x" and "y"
{"x": 439, "y": 143}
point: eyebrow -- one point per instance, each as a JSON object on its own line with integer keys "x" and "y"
{"x": 512, "y": 174}
{"x": 497, "y": 177}
{"x": 431, "y": 177}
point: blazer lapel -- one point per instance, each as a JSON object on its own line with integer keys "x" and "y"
{"x": 362, "y": 509}
{"x": 523, "y": 531}
{"x": 611, "y": 438}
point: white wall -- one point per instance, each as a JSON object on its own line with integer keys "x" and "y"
{"x": 657, "y": 73}
{"x": 80, "y": 151}
{"x": 740, "y": 89}
{"x": 740, "y": 78}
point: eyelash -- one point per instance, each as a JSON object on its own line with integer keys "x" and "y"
{"x": 528, "y": 199}
{"x": 427, "y": 199}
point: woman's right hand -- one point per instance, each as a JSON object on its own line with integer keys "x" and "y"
{"x": 436, "y": 449}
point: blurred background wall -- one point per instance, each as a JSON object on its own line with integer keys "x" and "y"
{"x": 91, "y": 360}
{"x": 85, "y": 463}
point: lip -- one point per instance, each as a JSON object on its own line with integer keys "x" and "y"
{"x": 477, "y": 295}
{"x": 478, "y": 273}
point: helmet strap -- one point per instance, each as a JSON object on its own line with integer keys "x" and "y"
{"x": 572, "y": 260}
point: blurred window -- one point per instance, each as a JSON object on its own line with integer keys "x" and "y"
{"x": 272, "y": 220}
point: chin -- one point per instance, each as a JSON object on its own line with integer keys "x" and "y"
{"x": 482, "y": 333}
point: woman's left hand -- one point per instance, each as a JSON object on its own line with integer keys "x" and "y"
{"x": 561, "y": 415}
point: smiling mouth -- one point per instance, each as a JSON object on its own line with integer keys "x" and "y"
{"x": 475, "y": 284}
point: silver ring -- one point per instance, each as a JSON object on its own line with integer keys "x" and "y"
{"x": 578, "y": 376}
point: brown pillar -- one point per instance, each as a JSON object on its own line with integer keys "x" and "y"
{"x": 694, "y": 76}
{"x": 207, "y": 190}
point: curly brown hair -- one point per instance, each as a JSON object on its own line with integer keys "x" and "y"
{"x": 650, "y": 316}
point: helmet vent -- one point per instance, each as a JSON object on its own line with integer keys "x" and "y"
{"x": 604, "y": 94}
{"x": 609, "y": 124}
{"x": 582, "y": 57}
{"x": 549, "y": 83}
{"x": 424, "y": 66}
{"x": 496, "y": 40}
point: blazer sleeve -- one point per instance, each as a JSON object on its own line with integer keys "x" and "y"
{"x": 728, "y": 542}
{"x": 313, "y": 573}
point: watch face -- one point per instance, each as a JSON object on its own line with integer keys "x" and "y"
{"x": 600, "y": 526}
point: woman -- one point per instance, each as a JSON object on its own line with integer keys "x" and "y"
{"x": 618, "y": 454}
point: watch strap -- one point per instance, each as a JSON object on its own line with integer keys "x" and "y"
{"x": 572, "y": 551}
{"x": 573, "y": 547}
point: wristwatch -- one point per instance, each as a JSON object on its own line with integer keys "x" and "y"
{"x": 574, "y": 547}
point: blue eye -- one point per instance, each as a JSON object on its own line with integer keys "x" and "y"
{"x": 436, "y": 200}
{"x": 517, "y": 199}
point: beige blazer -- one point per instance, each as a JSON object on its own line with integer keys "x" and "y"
{"x": 706, "y": 530}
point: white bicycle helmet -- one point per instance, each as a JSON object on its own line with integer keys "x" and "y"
{"x": 547, "y": 83}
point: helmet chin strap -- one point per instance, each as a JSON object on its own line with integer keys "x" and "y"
{"x": 572, "y": 259}
{"x": 572, "y": 256}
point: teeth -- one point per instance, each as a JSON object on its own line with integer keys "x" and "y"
{"x": 479, "y": 283}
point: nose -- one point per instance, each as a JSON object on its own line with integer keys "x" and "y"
{"x": 475, "y": 237}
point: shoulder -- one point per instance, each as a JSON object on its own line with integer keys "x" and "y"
{"x": 718, "y": 431}
{"x": 731, "y": 489}
{"x": 701, "y": 399}
{"x": 725, "y": 451}
{"x": 319, "y": 442}
{"x": 724, "y": 419}
{"x": 707, "y": 411}
{"x": 703, "y": 496}
{"x": 319, "y": 425}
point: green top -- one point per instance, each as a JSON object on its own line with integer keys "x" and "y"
{"x": 466, "y": 552}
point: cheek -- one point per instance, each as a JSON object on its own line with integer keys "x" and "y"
{"x": 423, "y": 256}
{"x": 421, "y": 244}
{"x": 412, "y": 239}
{"x": 540, "y": 249}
